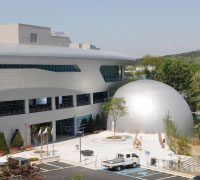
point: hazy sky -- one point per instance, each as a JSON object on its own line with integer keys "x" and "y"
{"x": 132, "y": 27}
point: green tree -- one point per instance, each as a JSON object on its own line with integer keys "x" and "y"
{"x": 91, "y": 126}
{"x": 194, "y": 92}
{"x": 3, "y": 144}
{"x": 34, "y": 134}
{"x": 98, "y": 122}
{"x": 17, "y": 140}
{"x": 151, "y": 62}
{"x": 170, "y": 126}
{"x": 177, "y": 74}
{"x": 116, "y": 108}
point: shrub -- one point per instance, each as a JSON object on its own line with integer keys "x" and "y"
{"x": 3, "y": 144}
{"x": 98, "y": 123}
{"x": 91, "y": 126}
{"x": 17, "y": 140}
{"x": 77, "y": 177}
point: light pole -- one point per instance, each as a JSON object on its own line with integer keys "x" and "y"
{"x": 52, "y": 139}
{"x": 80, "y": 147}
{"x": 80, "y": 133}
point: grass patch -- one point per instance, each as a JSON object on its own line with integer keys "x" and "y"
{"x": 33, "y": 159}
{"x": 114, "y": 137}
{"x": 38, "y": 152}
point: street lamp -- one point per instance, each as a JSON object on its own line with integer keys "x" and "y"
{"x": 80, "y": 133}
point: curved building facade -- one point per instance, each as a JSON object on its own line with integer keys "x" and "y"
{"x": 44, "y": 83}
{"x": 148, "y": 102}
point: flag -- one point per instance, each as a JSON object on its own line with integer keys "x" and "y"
{"x": 45, "y": 131}
{"x": 51, "y": 131}
{"x": 39, "y": 132}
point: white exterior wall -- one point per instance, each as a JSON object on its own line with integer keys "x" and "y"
{"x": 9, "y": 34}
{"x": 44, "y": 36}
{"x": 89, "y": 80}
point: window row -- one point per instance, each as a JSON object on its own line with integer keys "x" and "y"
{"x": 55, "y": 68}
{"x": 8, "y": 108}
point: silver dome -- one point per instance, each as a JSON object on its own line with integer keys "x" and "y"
{"x": 147, "y": 103}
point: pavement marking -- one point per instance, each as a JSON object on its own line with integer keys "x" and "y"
{"x": 43, "y": 170}
{"x": 166, "y": 177}
{"x": 53, "y": 165}
{"x": 146, "y": 174}
{"x": 134, "y": 177}
{"x": 140, "y": 173}
{"x": 58, "y": 169}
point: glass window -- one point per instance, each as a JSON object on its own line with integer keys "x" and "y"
{"x": 40, "y": 104}
{"x": 100, "y": 97}
{"x": 64, "y": 102}
{"x": 34, "y": 38}
{"x": 55, "y": 68}
{"x": 83, "y": 99}
{"x": 8, "y": 108}
{"x": 111, "y": 73}
{"x": 134, "y": 155}
{"x": 128, "y": 156}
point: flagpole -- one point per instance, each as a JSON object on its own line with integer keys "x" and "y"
{"x": 47, "y": 144}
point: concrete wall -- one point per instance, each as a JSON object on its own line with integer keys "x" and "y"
{"x": 9, "y": 34}
{"x": 44, "y": 36}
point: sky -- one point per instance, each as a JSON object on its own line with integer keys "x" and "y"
{"x": 131, "y": 27}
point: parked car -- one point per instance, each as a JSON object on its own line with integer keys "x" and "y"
{"x": 196, "y": 178}
{"x": 21, "y": 161}
{"x": 122, "y": 160}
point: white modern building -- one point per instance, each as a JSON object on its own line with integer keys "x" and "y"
{"x": 45, "y": 82}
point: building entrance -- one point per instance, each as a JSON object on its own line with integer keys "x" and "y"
{"x": 65, "y": 127}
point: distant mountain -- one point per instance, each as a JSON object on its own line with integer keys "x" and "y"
{"x": 193, "y": 56}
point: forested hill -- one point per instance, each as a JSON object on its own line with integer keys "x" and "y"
{"x": 193, "y": 56}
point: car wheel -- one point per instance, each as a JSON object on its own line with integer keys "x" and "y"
{"x": 134, "y": 165}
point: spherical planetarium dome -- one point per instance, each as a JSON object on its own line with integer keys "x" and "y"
{"x": 148, "y": 102}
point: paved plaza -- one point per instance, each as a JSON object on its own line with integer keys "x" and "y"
{"x": 104, "y": 150}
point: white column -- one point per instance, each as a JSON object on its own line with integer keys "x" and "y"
{"x": 28, "y": 134}
{"x": 54, "y": 130}
{"x": 53, "y": 103}
{"x": 26, "y": 106}
{"x": 74, "y": 101}
{"x": 91, "y": 98}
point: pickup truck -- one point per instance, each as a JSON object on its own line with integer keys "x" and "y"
{"x": 122, "y": 160}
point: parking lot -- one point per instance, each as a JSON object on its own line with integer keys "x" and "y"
{"x": 63, "y": 171}
{"x": 144, "y": 174}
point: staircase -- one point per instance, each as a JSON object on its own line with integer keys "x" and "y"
{"x": 192, "y": 165}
